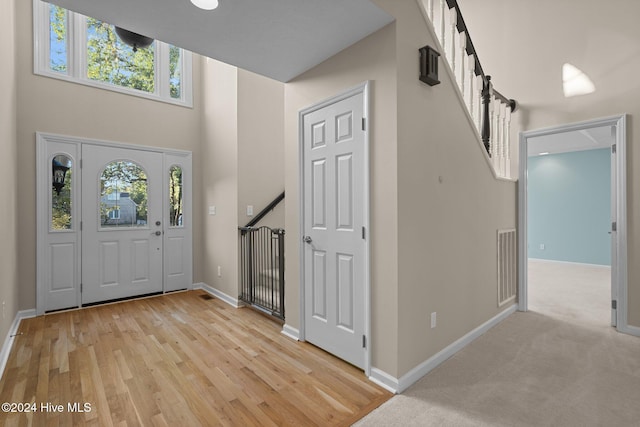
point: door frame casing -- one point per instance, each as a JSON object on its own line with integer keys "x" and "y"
{"x": 42, "y": 209}
{"x": 364, "y": 89}
{"x": 619, "y": 258}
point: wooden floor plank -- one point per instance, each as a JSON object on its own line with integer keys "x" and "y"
{"x": 178, "y": 359}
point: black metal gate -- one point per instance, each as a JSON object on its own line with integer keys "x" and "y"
{"x": 262, "y": 269}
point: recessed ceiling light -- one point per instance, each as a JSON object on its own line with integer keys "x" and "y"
{"x": 575, "y": 81}
{"x": 205, "y": 4}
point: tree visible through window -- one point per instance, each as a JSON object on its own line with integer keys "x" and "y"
{"x": 123, "y": 201}
{"x": 61, "y": 202}
{"x": 160, "y": 71}
{"x": 175, "y": 196}
{"x": 110, "y": 60}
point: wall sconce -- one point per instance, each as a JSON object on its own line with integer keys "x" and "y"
{"x": 60, "y": 165}
{"x": 429, "y": 66}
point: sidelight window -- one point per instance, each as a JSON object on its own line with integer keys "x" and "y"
{"x": 175, "y": 196}
{"x": 61, "y": 197}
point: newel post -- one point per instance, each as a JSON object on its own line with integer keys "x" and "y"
{"x": 486, "y": 121}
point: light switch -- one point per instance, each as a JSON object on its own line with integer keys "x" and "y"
{"x": 249, "y": 210}
{"x": 212, "y": 210}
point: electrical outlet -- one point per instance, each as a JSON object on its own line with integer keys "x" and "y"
{"x": 542, "y": 246}
{"x": 212, "y": 210}
{"x": 219, "y": 271}
{"x": 433, "y": 319}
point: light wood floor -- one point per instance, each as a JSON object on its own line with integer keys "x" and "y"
{"x": 178, "y": 360}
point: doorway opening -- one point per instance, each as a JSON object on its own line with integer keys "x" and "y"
{"x": 572, "y": 215}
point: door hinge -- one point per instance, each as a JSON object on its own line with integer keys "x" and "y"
{"x": 364, "y": 233}
{"x": 614, "y": 226}
{"x": 80, "y": 225}
{"x": 614, "y": 304}
{"x": 364, "y": 341}
{"x": 80, "y": 287}
{"x": 364, "y": 123}
{"x": 613, "y": 149}
{"x": 80, "y": 163}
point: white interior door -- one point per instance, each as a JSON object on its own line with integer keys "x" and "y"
{"x": 122, "y": 230}
{"x": 334, "y": 220}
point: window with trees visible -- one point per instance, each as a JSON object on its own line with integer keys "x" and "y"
{"x": 123, "y": 195}
{"x": 85, "y": 50}
{"x": 61, "y": 201}
{"x": 175, "y": 196}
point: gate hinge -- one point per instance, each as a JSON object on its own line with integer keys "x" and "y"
{"x": 614, "y": 226}
{"x": 614, "y": 304}
{"x": 364, "y": 233}
{"x": 613, "y": 148}
{"x": 364, "y": 341}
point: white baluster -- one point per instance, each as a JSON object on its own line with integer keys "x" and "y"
{"x": 463, "y": 62}
{"x": 430, "y": 11}
{"x": 471, "y": 76}
{"x": 500, "y": 130}
{"x": 442, "y": 23}
{"x": 478, "y": 112}
{"x": 507, "y": 132}
{"x": 453, "y": 33}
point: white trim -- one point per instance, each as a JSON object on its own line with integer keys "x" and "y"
{"x": 407, "y": 380}
{"x": 363, "y": 88}
{"x": 619, "y": 258}
{"x": 233, "y": 302}
{"x": 553, "y": 261}
{"x": 290, "y": 332}
{"x": 384, "y": 380}
{"x": 631, "y": 330}
{"x": 9, "y": 339}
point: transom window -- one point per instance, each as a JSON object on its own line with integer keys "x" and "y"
{"x": 77, "y": 48}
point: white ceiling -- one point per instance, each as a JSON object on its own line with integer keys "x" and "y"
{"x": 276, "y": 38}
{"x": 589, "y": 139}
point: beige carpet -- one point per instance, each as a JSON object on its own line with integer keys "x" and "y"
{"x": 560, "y": 364}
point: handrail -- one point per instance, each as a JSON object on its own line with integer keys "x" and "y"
{"x": 263, "y": 212}
{"x": 471, "y": 50}
{"x": 489, "y": 110}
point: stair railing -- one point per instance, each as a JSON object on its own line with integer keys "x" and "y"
{"x": 490, "y": 111}
{"x": 262, "y": 265}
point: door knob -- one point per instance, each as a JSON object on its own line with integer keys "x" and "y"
{"x": 307, "y": 239}
{"x": 157, "y": 233}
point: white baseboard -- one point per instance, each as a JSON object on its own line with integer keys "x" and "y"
{"x": 631, "y": 330}
{"x": 553, "y": 261}
{"x": 219, "y": 294}
{"x": 291, "y": 332}
{"x": 395, "y": 385}
{"x": 9, "y": 339}
{"x": 384, "y": 380}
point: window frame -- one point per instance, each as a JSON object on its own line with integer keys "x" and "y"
{"x": 77, "y": 60}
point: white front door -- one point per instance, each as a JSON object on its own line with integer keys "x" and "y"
{"x": 122, "y": 230}
{"x": 334, "y": 255}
